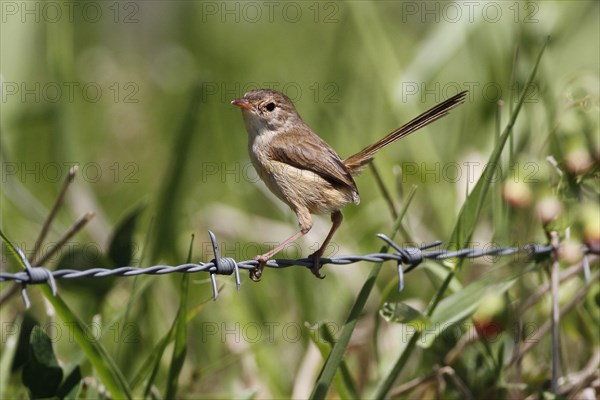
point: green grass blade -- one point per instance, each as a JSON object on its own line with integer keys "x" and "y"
{"x": 153, "y": 364}
{"x": 153, "y": 361}
{"x": 135, "y": 292}
{"x": 463, "y": 230}
{"x": 337, "y": 353}
{"x": 345, "y": 378}
{"x": 109, "y": 373}
{"x": 180, "y": 325}
{"x": 471, "y": 209}
{"x": 324, "y": 340}
{"x": 173, "y": 182}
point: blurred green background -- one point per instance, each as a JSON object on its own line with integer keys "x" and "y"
{"x": 137, "y": 95}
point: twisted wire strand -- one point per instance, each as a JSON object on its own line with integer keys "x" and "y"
{"x": 410, "y": 257}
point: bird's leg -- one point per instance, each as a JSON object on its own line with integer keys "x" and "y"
{"x": 262, "y": 259}
{"x": 336, "y": 219}
{"x": 305, "y": 222}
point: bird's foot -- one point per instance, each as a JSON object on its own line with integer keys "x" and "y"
{"x": 256, "y": 273}
{"x": 316, "y": 266}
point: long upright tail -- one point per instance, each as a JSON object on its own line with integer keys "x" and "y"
{"x": 355, "y": 162}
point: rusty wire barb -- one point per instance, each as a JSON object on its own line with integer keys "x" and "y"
{"x": 406, "y": 259}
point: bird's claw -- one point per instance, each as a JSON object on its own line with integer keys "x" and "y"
{"x": 256, "y": 273}
{"x": 316, "y": 266}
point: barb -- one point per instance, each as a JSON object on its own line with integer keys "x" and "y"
{"x": 406, "y": 260}
{"x": 224, "y": 266}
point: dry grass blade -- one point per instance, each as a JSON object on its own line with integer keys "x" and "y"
{"x": 545, "y": 328}
{"x": 76, "y": 227}
{"x": 57, "y": 204}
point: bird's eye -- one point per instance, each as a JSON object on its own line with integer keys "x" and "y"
{"x": 270, "y": 106}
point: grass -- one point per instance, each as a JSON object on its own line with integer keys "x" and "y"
{"x": 162, "y": 155}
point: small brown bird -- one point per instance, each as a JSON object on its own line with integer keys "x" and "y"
{"x": 304, "y": 171}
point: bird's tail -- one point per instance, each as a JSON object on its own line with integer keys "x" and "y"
{"x": 355, "y": 162}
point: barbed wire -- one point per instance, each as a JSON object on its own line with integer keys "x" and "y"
{"x": 406, "y": 259}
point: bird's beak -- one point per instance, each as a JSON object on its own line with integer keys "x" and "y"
{"x": 242, "y": 103}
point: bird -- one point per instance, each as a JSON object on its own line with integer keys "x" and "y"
{"x": 305, "y": 172}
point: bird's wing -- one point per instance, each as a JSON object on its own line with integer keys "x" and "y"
{"x": 304, "y": 150}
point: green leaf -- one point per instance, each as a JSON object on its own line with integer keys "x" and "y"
{"x": 121, "y": 248}
{"x": 70, "y": 386}
{"x": 403, "y": 314}
{"x": 28, "y": 322}
{"x": 460, "y": 306}
{"x": 41, "y": 375}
